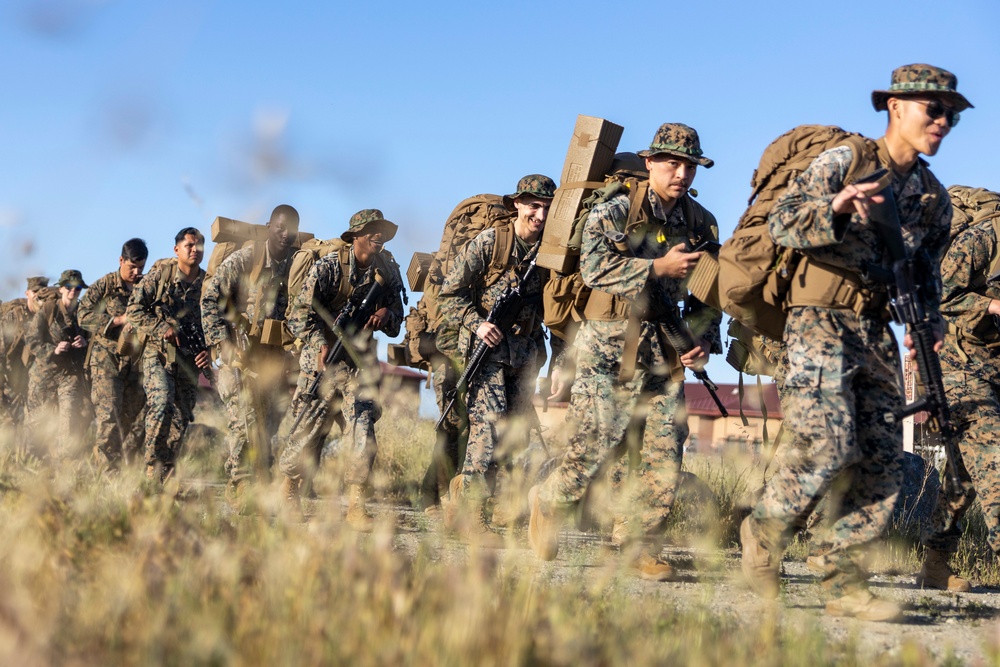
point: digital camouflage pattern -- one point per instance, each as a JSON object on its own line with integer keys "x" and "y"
{"x": 604, "y": 404}
{"x": 679, "y": 140}
{"x": 57, "y": 392}
{"x": 970, "y": 362}
{"x": 241, "y": 288}
{"x": 346, "y": 395}
{"x": 448, "y": 441}
{"x": 535, "y": 185}
{"x": 13, "y": 318}
{"x": 116, "y": 381}
{"x": 501, "y": 390}
{"x": 843, "y": 373}
{"x": 170, "y": 378}
{"x": 920, "y": 79}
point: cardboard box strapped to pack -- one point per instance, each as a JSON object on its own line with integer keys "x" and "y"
{"x": 416, "y": 273}
{"x": 591, "y": 152}
{"x": 227, "y": 230}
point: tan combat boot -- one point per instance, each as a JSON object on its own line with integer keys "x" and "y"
{"x": 936, "y": 573}
{"x": 291, "y": 497}
{"x": 651, "y": 567}
{"x": 758, "y": 569}
{"x": 451, "y": 506}
{"x": 863, "y": 605}
{"x": 476, "y": 532}
{"x": 357, "y": 517}
{"x": 543, "y": 529}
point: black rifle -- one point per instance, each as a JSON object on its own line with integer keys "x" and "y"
{"x": 191, "y": 339}
{"x": 672, "y": 327}
{"x": 908, "y": 309}
{"x": 351, "y": 319}
{"x": 504, "y": 314}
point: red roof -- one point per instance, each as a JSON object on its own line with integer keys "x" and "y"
{"x": 401, "y": 371}
{"x": 700, "y": 403}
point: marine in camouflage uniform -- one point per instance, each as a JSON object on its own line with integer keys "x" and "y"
{"x": 14, "y": 316}
{"x": 165, "y": 308}
{"x": 970, "y": 363}
{"x": 250, "y": 288}
{"x": 348, "y": 389}
{"x": 635, "y": 262}
{"x": 843, "y": 363}
{"x": 498, "y": 399}
{"x": 116, "y": 379}
{"x": 57, "y": 391}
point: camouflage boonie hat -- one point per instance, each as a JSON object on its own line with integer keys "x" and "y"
{"x": 37, "y": 283}
{"x": 919, "y": 79}
{"x": 71, "y": 278}
{"x": 535, "y": 185}
{"x": 369, "y": 221}
{"x": 680, "y": 140}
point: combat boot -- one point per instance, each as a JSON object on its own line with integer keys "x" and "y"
{"x": 936, "y": 573}
{"x": 451, "y": 505}
{"x": 652, "y": 568}
{"x": 861, "y": 604}
{"x": 543, "y": 529}
{"x": 619, "y": 532}
{"x": 291, "y": 498}
{"x": 760, "y": 569}
{"x": 478, "y": 533}
{"x": 357, "y": 517}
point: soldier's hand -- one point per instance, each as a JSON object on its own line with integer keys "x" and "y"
{"x": 677, "y": 263}
{"x": 490, "y": 333}
{"x": 62, "y": 347}
{"x": 202, "y": 359}
{"x": 857, "y": 198}
{"x": 378, "y": 319}
{"x": 119, "y": 321}
{"x": 908, "y": 343}
{"x": 560, "y": 384}
{"x": 324, "y": 350}
{"x": 698, "y": 356}
{"x": 79, "y": 342}
{"x": 171, "y": 337}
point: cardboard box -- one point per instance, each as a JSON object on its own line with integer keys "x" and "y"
{"x": 590, "y": 155}
{"x": 236, "y": 231}
{"x": 416, "y": 273}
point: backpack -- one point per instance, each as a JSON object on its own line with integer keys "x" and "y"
{"x": 754, "y": 272}
{"x": 970, "y": 207}
{"x": 311, "y": 252}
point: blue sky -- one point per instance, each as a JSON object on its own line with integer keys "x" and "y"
{"x": 126, "y": 119}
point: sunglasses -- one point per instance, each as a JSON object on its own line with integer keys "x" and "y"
{"x": 935, "y": 110}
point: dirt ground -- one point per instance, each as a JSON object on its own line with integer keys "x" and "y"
{"x": 947, "y": 625}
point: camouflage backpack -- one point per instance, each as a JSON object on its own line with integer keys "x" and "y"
{"x": 970, "y": 207}
{"x": 754, "y": 273}
{"x": 311, "y": 252}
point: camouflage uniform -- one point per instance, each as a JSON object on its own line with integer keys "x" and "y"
{"x": 843, "y": 370}
{"x": 970, "y": 362}
{"x": 160, "y": 301}
{"x": 251, "y": 284}
{"x": 116, "y": 380}
{"x": 604, "y": 403}
{"x": 344, "y": 389}
{"x": 505, "y": 384}
{"x": 17, "y": 360}
{"x": 55, "y": 381}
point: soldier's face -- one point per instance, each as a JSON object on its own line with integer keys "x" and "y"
{"x": 368, "y": 245}
{"x": 130, "y": 271}
{"x": 531, "y": 213}
{"x": 190, "y": 250}
{"x": 670, "y": 176}
{"x": 913, "y": 118}
{"x": 32, "y": 297}
{"x": 281, "y": 233}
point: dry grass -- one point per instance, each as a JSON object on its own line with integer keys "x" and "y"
{"x": 109, "y": 571}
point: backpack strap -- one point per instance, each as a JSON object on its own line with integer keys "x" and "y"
{"x": 345, "y": 289}
{"x": 503, "y": 247}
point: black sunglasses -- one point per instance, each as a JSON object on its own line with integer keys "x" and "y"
{"x": 935, "y": 110}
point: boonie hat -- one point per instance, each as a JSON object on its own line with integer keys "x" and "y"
{"x": 680, "y": 140}
{"x": 920, "y": 79}
{"x": 71, "y": 278}
{"x": 535, "y": 185}
{"x": 37, "y": 283}
{"x": 368, "y": 221}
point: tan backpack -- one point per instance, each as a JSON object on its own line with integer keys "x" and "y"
{"x": 311, "y": 252}
{"x": 970, "y": 207}
{"x": 754, "y": 273}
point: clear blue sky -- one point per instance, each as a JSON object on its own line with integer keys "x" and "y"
{"x": 125, "y": 119}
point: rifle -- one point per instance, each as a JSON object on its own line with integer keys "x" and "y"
{"x": 351, "y": 319}
{"x": 192, "y": 343}
{"x": 504, "y": 314}
{"x": 908, "y": 309}
{"x": 672, "y": 327}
